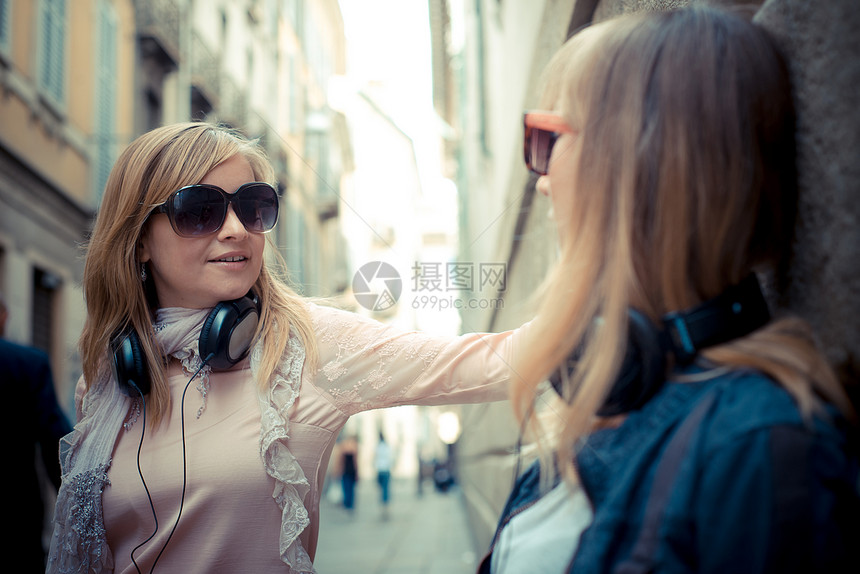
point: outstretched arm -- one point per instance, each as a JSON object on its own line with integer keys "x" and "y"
{"x": 365, "y": 364}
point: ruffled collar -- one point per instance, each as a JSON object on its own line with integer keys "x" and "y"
{"x": 79, "y": 541}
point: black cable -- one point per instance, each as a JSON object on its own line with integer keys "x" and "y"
{"x": 140, "y": 472}
{"x": 133, "y": 385}
{"x": 184, "y": 466}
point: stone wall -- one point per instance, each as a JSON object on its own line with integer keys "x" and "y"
{"x": 821, "y": 42}
{"x": 823, "y": 47}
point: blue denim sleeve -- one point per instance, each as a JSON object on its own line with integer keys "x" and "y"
{"x": 778, "y": 499}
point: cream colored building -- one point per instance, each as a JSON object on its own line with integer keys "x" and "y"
{"x": 487, "y": 57}
{"x": 81, "y": 78}
{"x": 66, "y": 75}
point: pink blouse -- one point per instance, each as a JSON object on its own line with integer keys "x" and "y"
{"x": 229, "y": 520}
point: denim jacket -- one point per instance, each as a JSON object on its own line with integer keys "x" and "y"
{"x": 757, "y": 488}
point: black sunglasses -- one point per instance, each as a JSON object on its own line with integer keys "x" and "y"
{"x": 542, "y": 129}
{"x": 201, "y": 209}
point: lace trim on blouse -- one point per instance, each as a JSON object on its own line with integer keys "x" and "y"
{"x": 291, "y": 485}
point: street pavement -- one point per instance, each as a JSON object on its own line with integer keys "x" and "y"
{"x": 422, "y": 534}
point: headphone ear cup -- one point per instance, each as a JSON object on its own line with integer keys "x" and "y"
{"x": 643, "y": 371}
{"x": 228, "y": 332}
{"x": 738, "y": 311}
{"x": 128, "y": 364}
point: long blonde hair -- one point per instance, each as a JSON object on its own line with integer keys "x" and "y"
{"x": 684, "y": 184}
{"x": 151, "y": 168}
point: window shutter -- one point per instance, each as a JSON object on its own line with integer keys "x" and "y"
{"x": 53, "y": 56}
{"x": 105, "y": 95}
{"x": 5, "y": 26}
{"x": 45, "y": 289}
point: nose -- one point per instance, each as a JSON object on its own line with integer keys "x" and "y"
{"x": 232, "y": 227}
{"x": 542, "y": 185}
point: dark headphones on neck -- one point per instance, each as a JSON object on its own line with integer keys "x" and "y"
{"x": 224, "y": 341}
{"x": 738, "y": 311}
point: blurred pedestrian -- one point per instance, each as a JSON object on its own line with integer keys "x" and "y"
{"x": 349, "y": 471}
{"x": 695, "y": 433}
{"x": 383, "y": 459}
{"x": 177, "y": 292}
{"x": 34, "y": 423}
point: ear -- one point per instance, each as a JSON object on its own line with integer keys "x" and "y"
{"x": 144, "y": 254}
{"x": 143, "y": 251}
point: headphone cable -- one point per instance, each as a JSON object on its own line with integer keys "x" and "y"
{"x": 184, "y": 467}
{"x": 184, "y": 474}
{"x": 140, "y": 472}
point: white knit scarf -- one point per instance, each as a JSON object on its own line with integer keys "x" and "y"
{"x": 79, "y": 541}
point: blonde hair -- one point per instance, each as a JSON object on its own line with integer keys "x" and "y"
{"x": 684, "y": 184}
{"x": 148, "y": 171}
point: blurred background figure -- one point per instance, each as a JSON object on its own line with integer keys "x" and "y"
{"x": 383, "y": 463}
{"x": 32, "y": 462}
{"x": 349, "y": 471}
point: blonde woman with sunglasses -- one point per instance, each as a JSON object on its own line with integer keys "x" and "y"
{"x": 212, "y": 394}
{"x": 693, "y": 432}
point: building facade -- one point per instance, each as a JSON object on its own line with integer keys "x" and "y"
{"x": 488, "y": 57}
{"x": 82, "y": 78}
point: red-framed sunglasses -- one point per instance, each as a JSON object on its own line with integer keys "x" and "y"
{"x": 542, "y": 129}
{"x": 201, "y": 209}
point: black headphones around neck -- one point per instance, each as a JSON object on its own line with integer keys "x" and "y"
{"x": 738, "y": 311}
{"x": 225, "y": 339}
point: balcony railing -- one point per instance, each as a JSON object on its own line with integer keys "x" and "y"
{"x": 205, "y": 71}
{"x": 158, "y": 27}
{"x": 233, "y": 103}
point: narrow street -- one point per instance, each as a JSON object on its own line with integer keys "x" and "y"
{"x": 423, "y": 534}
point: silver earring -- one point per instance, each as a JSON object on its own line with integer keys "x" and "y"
{"x": 143, "y": 272}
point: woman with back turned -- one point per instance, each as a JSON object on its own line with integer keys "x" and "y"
{"x": 695, "y": 432}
